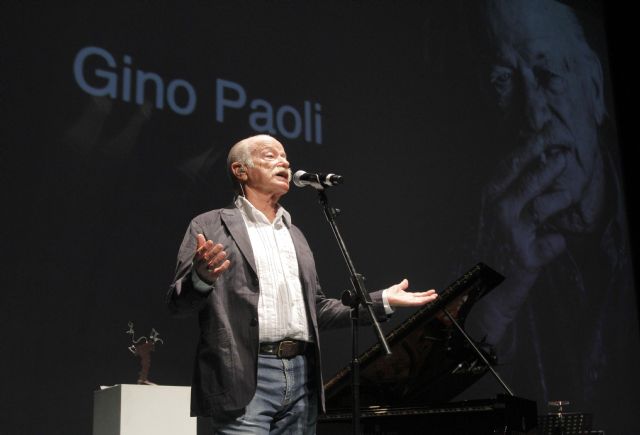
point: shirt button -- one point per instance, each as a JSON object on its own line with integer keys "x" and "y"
{"x": 254, "y": 321}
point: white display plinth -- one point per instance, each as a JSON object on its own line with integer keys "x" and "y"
{"x": 143, "y": 410}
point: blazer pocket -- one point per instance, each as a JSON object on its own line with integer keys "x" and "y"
{"x": 216, "y": 360}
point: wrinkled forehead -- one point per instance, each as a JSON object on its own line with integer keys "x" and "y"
{"x": 261, "y": 143}
{"x": 532, "y": 28}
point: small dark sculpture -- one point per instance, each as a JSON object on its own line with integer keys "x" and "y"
{"x": 142, "y": 347}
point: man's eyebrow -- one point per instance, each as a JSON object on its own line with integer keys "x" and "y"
{"x": 538, "y": 53}
{"x": 540, "y": 56}
{"x": 272, "y": 149}
{"x": 501, "y": 58}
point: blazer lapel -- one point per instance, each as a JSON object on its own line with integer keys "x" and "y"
{"x": 238, "y": 230}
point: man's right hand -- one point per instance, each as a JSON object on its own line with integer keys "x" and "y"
{"x": 516, "y": 235}
{"x": 209, "y": 260}
{"x": 519, "y": 204}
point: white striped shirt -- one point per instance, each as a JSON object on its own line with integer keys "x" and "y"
{"x": 281, "y": 307}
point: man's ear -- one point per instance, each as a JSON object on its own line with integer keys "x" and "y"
{"x": 239, "y": 171}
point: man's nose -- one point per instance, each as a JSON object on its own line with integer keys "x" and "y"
{"x": 284, "y": 162}
{"x": 536, "y": 106}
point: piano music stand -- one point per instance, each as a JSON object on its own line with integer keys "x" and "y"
{"x": 568, "y": 423}
{"x": 564, "y": 423}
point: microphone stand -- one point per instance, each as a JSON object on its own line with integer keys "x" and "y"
{"x": 352, "y": 298}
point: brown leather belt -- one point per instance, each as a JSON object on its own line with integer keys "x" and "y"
{"x": 284, "y": 349}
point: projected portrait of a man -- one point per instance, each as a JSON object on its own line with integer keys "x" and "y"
{"x": 551, "y": 213}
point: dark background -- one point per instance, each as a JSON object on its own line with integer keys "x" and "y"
{"x": 97, "y": 195}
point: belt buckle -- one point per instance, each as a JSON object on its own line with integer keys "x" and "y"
{"x": 282, "y": 348}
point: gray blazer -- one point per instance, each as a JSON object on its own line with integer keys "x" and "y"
{"x": 224, "y": 377}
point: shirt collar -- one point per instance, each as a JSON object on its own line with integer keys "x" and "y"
{"x": 256, "y": 216}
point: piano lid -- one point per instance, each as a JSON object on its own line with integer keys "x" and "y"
{"x": 430, "y": 362}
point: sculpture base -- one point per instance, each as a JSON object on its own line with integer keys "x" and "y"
{"x": 143, "y": 410}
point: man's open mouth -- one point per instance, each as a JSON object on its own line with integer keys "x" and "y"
{"x": 284, "y": 174}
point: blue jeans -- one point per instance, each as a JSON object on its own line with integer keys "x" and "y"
{"x": 286, "y": 400}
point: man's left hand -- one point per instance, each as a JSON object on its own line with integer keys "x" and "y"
{"x": 398, "y": 297}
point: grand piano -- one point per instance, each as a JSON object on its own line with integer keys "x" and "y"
{"x": 410, "y": 391}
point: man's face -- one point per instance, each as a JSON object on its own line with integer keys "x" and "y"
{"x": 544, "y": 95}
{"x": 270, "y": 173}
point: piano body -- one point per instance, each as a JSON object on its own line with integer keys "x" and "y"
{"x": 431, "y": 363}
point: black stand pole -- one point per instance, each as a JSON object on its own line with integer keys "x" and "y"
{"x": 353, "y": 298}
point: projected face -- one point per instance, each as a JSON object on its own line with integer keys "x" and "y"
{"x": 546, "y": 83}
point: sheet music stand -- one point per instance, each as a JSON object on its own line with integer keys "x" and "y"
{"x": 565, "y": 423}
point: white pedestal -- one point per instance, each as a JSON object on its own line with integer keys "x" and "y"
{"x": 143, "y": 410}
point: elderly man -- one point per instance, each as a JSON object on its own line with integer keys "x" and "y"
{"x": 250, "y": 275}
{"x": 552, "y": 214}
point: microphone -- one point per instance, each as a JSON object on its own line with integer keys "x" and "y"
{"x": 317, "y": 181}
